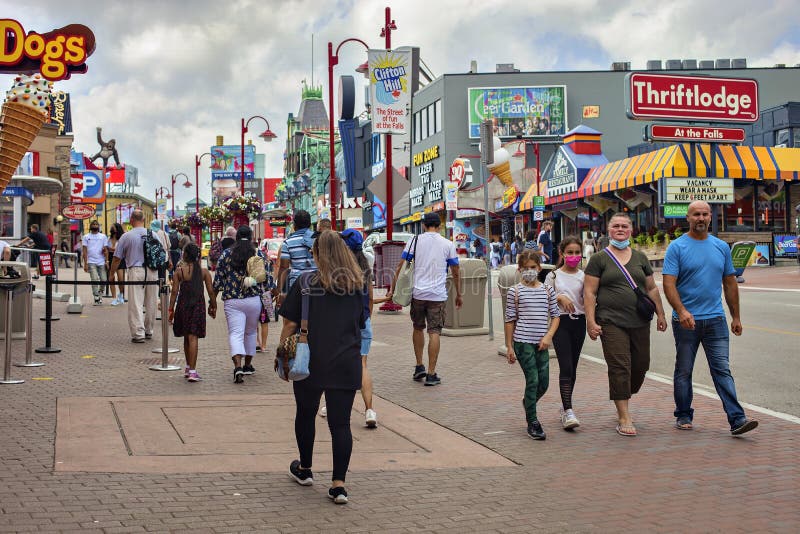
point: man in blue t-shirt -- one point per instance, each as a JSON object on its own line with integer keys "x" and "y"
{"x": 694, "y": 266}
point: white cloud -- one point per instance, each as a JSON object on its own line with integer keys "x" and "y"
{"x": 169, "y": 75}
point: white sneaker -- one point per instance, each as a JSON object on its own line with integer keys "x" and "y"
{"x": 371, "y": 418}
{"x": 568, "y": 419}
{"x": 323, "y": 412}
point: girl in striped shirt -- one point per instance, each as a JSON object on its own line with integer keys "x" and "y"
{"x": 532, "y": 317}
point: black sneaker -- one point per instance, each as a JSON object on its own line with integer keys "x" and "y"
{"x": 535, "y": 431}
{"x": 238, "y": 375}
{"x": 432, "y": 380}
{"x": 339, "y": 495}
{"x": 248, "y": 369}
{"x": 746, "y": 426}
{"x": 304, "y": 477}
{"x": 419, "y": 372}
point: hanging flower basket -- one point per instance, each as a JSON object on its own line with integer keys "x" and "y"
{"x": 242, "y": 208}
{"x": 215, "y": 214}
{"x": 195, "y": 220}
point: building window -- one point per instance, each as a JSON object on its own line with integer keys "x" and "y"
{"x": 424, "y": 124}
{"x": 782, "y": 137}
{"x": 437, "y": 111}
{"x": 796, "y": 137}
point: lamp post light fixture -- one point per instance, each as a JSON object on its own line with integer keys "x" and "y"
{"x": 187, "y": 184}
{"x": 197, "y": 180}
{"x": 267, "y": 135}
{"x": 333, "y": 60}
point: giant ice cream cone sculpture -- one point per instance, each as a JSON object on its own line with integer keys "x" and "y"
{"x": 501, "y": 166}
{"x": 24, "y": 112}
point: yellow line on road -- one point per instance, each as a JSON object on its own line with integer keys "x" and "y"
{"x": 772, "y": 330}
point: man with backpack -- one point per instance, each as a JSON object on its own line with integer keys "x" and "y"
{"x": 174, "y": 246}
{"x": 145, "y": 255}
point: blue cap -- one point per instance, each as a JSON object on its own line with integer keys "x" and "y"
{"x": 353, "y": 239}
{"x": 155, "y": 225}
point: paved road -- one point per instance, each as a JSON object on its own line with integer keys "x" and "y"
{"x": 765, "y": 360}
{"x": 591, "y": 480}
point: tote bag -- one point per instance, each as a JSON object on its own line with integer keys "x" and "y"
{"x": 404, "y": 285}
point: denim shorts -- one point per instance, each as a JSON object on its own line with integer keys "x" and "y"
{"x": 366, "y": 338}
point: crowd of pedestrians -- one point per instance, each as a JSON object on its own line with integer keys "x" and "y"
{"x": 614, "y": 299}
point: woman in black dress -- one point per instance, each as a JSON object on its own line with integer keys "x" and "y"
{"x": 188, "y": 318}
{"x": 335, "y": 319}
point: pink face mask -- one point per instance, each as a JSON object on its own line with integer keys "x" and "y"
{"x": 572, "y": 261}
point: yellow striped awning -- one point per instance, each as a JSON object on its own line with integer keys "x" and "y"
{"x": 747, "y": 162}
{"x": 526, "y": 204}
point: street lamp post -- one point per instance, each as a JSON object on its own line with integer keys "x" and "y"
{"x": 267, "y": 135}
{"x": 161, "y": 192}
{"x": 197, "y": 179}
{"x": 333, "y": 60}
{"x": 186, "y": 184}
{"x": 386, "y": 32}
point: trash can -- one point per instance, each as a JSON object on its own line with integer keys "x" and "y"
{"x": 468, "y": 321}
{"x": 18, "y": 318}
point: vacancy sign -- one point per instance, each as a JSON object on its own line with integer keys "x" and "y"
{"x": 673, "y": 132}
{"x": 687, "y": 190}
{"x": 691, "y": 98}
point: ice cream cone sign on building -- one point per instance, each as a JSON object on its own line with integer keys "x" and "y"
{"x": 24, "y": 112}
{"x": 502, "y": 165}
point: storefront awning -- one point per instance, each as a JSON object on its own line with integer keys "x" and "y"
{"x": 526, "y": 204}
{"x": 745, "y": 162}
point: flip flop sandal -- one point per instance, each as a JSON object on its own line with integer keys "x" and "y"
{"x": 683, "y": 424}
{"x": 625, "y": 433}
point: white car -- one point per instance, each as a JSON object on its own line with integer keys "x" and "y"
{"x": 373, "y": 239}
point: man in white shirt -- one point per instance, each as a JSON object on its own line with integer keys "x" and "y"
{"x": 432, "y": 255}
{"x": 130, "y": 247}
{"x": 95, "y": 259}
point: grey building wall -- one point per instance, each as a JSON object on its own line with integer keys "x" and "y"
{"x": 605, "y": 89}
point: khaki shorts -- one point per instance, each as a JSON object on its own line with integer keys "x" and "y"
{"x": 428, "y": 311}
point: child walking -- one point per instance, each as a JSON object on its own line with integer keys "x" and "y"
{"x": 267, "y": 288}
{"x": 529, "y": 306}
{"x": 567, "y": 284}
{"x": 188, "y": 318}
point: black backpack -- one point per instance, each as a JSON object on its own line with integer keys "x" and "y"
{"x": 173, "y": 240}
{"x": 155, "y": 257}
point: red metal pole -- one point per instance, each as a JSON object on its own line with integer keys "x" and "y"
{"x": 334, "y": 200}
{"x": 196, "y": 183}
{"x": 538, "y": 182}
{"x": 244, "y": 130}
{"x": 389, "y": 169}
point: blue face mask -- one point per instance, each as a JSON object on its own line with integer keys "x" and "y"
{"x": 620, "y": 244}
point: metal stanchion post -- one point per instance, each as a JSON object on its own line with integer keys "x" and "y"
{"x": 165, "y": 349}
{"x": 75, "y": 305}
{"x": 7, "y": 367}
{"x": 29, "y": 330}
{"x": 48, "y": 313}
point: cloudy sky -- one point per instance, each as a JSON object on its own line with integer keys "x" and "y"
{"x": 168, "y": 76}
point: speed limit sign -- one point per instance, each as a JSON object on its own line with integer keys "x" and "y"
{"x": 538, "y": 215}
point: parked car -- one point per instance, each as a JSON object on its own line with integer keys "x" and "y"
{"x": 373, "y": 239}
{"x": 272, "y": 248}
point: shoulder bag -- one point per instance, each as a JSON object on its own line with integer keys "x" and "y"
{"x": 404, "y": 285}
{"x": 645, "y": 307}
{"x": 293, "y": 356}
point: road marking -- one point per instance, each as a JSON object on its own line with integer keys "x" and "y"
{"x": 772, "y": 330}
{"x": 793, "y": 305}
{"x": 702, "y": 391}
{"x": 755, "y": 288}
{"x": 495, "y": 432}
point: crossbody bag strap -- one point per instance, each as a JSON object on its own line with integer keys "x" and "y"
{"x": 414, "y": 253}
{"x": 305, "y": 291}
{"x": 622, "y": 268}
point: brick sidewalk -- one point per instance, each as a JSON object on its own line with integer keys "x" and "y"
{"x": 664, "y": 480}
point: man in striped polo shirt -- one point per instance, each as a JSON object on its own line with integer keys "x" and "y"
{"x": 295, "y": 258}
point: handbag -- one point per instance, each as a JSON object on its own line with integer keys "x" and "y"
{"x": 645, "y": 307}
{"x": 293, "y": 355}
{"x": 404, "y": 285}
